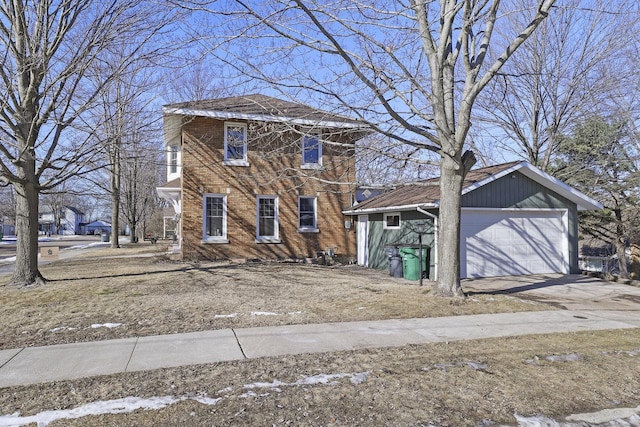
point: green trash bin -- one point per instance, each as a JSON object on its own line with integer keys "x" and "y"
{"x": 410, "y": 264}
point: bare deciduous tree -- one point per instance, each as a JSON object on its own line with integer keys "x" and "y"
{"x": 411, "y": 70}
{"x": 569, "y": 69}
{"x": 50, "y": 49}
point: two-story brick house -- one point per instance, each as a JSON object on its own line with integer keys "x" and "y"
{"x": 258, "y": 177}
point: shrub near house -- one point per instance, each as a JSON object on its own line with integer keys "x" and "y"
{"x": 258, "y": 177}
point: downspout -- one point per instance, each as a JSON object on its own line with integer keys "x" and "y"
{"x": 435, "y": 239}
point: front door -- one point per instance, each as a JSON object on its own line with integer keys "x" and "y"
{"x": 363, "y": 240}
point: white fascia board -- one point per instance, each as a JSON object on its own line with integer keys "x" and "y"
{"x": 226, "y": 115}
{"x": 401, "y": 208}
{"x": 582, "y": 201}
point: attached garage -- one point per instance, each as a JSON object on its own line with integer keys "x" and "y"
{"x": 516, "y": 220}
{"x": 498, "y": 242}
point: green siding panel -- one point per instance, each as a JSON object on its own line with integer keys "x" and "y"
{"x": 379, "y": 238}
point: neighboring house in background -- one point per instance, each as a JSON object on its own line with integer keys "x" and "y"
{"x": 169, "y": 223}
{"x": 515, "y": 220}
{"x": 71, "y": 221}
{"x": 98, "y": 227}
{"x": 7, "y": 229}
{"x": 258, "y": 177}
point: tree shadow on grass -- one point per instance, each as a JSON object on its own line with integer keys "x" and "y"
{"x": 209, "y": 269}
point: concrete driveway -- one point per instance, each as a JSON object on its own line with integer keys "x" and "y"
{"x": 569, "y": 292}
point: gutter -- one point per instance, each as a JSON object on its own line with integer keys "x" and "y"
{"x": 435, "y": 239}
{"x": 387, "y": 209}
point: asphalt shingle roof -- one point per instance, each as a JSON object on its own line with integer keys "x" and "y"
{"x": 427, "y": 192}
{"x": 264, "y": 106}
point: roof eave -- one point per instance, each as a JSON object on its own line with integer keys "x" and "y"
{"x": 400, "y": 208}
{"x": 262, "y": 117}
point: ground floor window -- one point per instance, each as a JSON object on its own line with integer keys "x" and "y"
{"x": 307, "y": 214}
{"x": 267, "y": 219}
{"x": 215, "y": 218}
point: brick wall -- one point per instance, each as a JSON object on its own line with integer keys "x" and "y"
{"x": 274, "y": 156}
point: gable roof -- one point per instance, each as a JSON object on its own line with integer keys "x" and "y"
{"x": 426, "y": 194}
{"x": 262, "y": 108}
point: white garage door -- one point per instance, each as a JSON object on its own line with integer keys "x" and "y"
{"x": 516, "y": 242}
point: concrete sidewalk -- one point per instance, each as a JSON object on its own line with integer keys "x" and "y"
{"x": 34, "y": 365}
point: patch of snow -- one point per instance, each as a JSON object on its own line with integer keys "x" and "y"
{"x": 254, "y": 394}
{"x": 62, "y": 328}
{"x": 624, "y": 417}
{"x": 628, "y": 415}
{"x": 361, "y": 308}
{"x": 631, "y": 353}
{"x": 294, "y": 312}
{"x": 105, "y": 325}
{"x": 206, "y": 400}
{"x": 225, "y": 390}
{"x": 276, "y": 385}
{"x": 554, "y": 358}
{"x": 564, "y": 358}
{"x": 130, "y": 404}
{"x": 263, "y": 313}
{"x": 8, "y": 260}
{"x": 225, "y": 316}
{"x": 89, "y": 245}
{"x": 476, "y": 366}
{"x": 116, "y": 406}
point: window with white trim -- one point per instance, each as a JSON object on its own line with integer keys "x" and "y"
{"x": 312, "y": 150}
{"x": 173, "y": 159}
{"x": 391, "y": 221}
{"x": 215, "y": 218}
{"x": 267, "y": 219}
{"x": 235, "y": 144}
{"x": 307, "y": 214}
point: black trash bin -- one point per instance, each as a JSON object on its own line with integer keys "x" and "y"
{"x": 395, "y": 266}
{"x": 395, "y": 262}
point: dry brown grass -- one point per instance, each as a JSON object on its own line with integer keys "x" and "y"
{"x": 421, "y": 385}
{"x": 138, "y": 287}
{"x": 408, "y": 386}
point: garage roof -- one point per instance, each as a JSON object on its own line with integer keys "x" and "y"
{"x": 426, "y": 194}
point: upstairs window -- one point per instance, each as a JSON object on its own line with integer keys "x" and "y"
{"x": 267, "y": 221}
{"x": 173, "y": 159}
{"x": 307, "y": 214}
{"x": 311, "y": 150}
{"x": 235, "y": 144}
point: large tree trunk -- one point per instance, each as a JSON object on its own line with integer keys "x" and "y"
{"x": 453, "y": 171}
{"x": 451, "y": 178}
{"x": 26, "y": 271}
